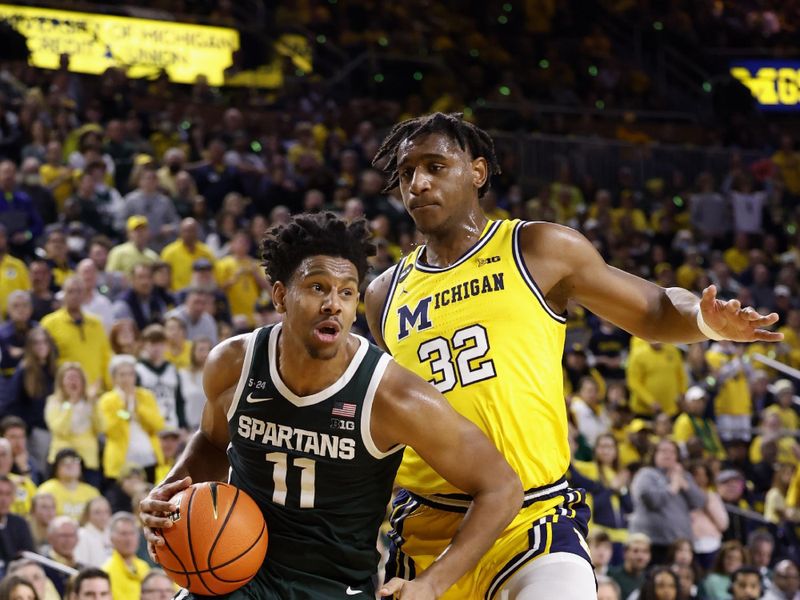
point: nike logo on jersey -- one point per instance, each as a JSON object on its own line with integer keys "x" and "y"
{"x": 252, "y": 400}
{"x": 351, "y": 592}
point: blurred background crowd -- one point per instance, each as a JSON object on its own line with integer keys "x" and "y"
{"x": 131, "y": 212}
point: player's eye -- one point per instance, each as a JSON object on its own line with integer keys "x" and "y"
{"x": 316, "y": 287}
{"x": 407, "y": 173}
{"x": 436, "y": 167}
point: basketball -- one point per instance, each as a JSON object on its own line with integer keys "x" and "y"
{"x": 218, "y": 540}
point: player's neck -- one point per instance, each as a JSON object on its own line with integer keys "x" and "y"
{"x": 305, "y": 375}
{"x": 446, "y": 246}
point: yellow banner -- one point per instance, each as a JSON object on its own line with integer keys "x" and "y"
{"x": 142, "y": 46}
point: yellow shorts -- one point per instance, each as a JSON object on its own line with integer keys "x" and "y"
{"x": 553, "y": 519}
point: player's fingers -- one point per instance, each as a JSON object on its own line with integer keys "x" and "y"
{"x": 151, "y": 550}
{"x": 393, "y": 586}
{"x": 763, "y": 321}
{"x": 708, "y": 298}
{"x": 152, "y": 538}
{"x": 762, "y": 335}
{"x": 733, "y": 306}
{"x": 155, "y": 522}
{"x": 169, "y": 490}
{"x": 151, "y": 506}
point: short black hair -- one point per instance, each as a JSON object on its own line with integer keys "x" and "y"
{"x": 285, "y": 246}
{"x": 11, "y": 422}
{"x": 746, "y": 570}
{"x": 86, "y": 574}
{"x": 469, "y": 137}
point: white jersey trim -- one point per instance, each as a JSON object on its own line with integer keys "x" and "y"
{"x": 248, "y": 359}
{"x": 336, "y": 386}
{"x": 366, "y": 410}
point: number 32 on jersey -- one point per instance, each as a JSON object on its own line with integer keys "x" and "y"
{"x": 461, "y": 359}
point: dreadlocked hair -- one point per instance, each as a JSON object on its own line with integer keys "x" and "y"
{"x": 285, "y": 246}
{"x": 470, "y": 138}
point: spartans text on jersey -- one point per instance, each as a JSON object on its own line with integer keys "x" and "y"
{"x": 299, "y": 440}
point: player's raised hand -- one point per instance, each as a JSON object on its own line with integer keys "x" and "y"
{"x": 155, "y": 509}
{"x": 404, "y": 589}
{"x": 732, "y": 322}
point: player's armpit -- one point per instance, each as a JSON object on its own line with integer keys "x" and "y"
{"x": 374, "y": 299}
{"x": 410, "y": 411}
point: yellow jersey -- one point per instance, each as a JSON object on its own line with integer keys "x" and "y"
{"x": 481, "y": 332}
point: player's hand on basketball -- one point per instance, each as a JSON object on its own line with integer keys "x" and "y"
{"x": 408, "y": 590}
{"x": 155, "y": 509}
{"x": 733, "y": 322}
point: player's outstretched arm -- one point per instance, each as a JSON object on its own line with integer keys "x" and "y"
{"x": 408, "y": 410}
{"x": 204, "y": 458}
{"x": 575, "y": 270}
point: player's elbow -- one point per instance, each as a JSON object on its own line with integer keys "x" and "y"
{"x": 511, "y": 492}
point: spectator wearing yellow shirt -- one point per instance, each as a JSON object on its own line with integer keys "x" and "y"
{"x": 131, "y": 420}
{"x": 783, "y": 389}
{"x": 179, "y": 349}
{"x": 787, "y": 160}
{"x": 690, "y": 271}
{"x": 123, "y": 258}
{"x": 240, "y": 277}
{"x": 124, "y": 568}
{"x": 733, "y": 404}
{"x": 628, "y": 217}
{"x": 56, "y": 176}
{"x": 791, "y": 336}
{"x": 772, "y": 431}
{"x": 70, "y": 492}
{"x": 656, "y": 378}
{"x": 80, "y": 337}
{"x": 737, "y": 257}
{"x": 181, "y": 254}
{"x": 74, "y": 421}
{"x": 57, "y": 256}
{"x": 25, "y": 489}
{"x": 13, "y": 273}
{"x": 692, "y": 424}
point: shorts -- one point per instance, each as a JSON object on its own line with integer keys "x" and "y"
{"x": 553, "y": 519}
{"x": 278, "y": 582}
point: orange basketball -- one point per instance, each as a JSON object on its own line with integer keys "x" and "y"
{"x": 218, "y": 540}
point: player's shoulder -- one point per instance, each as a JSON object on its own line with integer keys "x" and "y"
{"x": 378, "y": 288}
{"x": 225, "y": 362}
{"x": 551, "y": 241}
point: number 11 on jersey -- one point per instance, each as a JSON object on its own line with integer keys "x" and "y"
{"x": 280, "y": 465}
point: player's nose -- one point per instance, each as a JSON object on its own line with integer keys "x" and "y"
{"x": 419, "y": 182}
{"x": 332, "y": 303}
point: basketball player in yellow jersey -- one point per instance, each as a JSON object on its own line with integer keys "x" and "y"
{"x": 478, "y": 312}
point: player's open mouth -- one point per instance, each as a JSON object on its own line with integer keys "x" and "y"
{"x": 327, "y": 331}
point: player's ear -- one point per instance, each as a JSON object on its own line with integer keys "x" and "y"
{"x": 480, "y": 172}
{"x": 279, "y": 296}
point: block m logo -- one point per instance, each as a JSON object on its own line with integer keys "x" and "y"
{"x": 416, "y": 319}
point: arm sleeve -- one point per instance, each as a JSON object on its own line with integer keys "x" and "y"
{"x": 636, "y": 383}
{"x": 694, "y": 495}
{"x": 147, "y": 412}
{"x": 58, "y": 416}
{"x": 650, "y": 489}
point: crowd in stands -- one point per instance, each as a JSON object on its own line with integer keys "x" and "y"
{"x": 130, "y": 218}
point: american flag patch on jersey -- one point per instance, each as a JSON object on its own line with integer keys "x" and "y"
{"x": 344, "y": 409}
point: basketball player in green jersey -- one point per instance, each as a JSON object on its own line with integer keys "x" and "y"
{"x": 479, "y": 312}
{"x": 311, "y": 421}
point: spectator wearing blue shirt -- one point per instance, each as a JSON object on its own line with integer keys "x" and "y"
{"x": 17, "y": 213}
